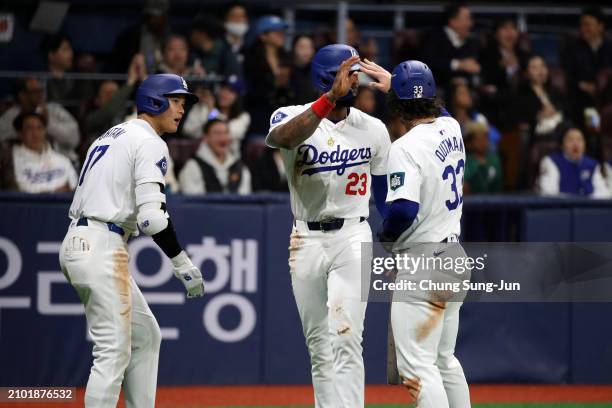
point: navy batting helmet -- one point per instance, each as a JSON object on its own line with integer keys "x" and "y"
{"x": 151, "y": 96}
{"x": 326, "y": 63}
{"x": 413, "y": 80}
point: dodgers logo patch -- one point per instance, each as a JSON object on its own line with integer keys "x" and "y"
{"x": 163, "y": 165}
{"x": 396, "y": 180}
{"x": 278, "y": 117}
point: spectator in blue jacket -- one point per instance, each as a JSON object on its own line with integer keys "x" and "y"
{"x": 570, "y": 171}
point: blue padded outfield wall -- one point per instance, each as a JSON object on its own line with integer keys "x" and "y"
{"x": 246, "y": 330}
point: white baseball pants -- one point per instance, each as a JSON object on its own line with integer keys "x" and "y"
{"x": 425, "y": 333}
{"x": 125, "y": 334}
{"x": 326, "y": 278}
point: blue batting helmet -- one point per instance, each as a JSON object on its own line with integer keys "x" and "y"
{"x": 326, "y": 63}
{"x": 151, "y": 96}
{"x": 413, "y": 80}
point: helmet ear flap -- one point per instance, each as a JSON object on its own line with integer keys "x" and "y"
{"x": 155, "y": 103}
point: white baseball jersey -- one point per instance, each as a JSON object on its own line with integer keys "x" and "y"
{"x": 329, "y": 174}
{"x": 127, "y": 155}
{"x": 42, "y": 172}
{"x": 426, "y": 166}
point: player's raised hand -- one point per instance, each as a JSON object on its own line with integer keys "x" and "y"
{"x": 381, "y": 75}
{"x": 188, "y": 274}
{"x": 345, "y": 80}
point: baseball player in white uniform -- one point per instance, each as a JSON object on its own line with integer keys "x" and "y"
{"x": 121, "y": 186}
{"x": 331, "y": 152}
{"x": 425, "y": 168}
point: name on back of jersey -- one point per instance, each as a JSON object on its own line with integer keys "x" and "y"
{"x": 339, "y": 159}
{"x": 113, "y": 132}
{"x": 448, "y": 146}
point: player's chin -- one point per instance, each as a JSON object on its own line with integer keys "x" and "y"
{"x": 173, "y": 127}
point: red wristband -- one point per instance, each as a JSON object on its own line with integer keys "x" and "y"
{"x": 322, "y": 107}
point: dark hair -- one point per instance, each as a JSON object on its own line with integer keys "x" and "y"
{"x": 594, "y": 12}
{"x": 21, "y": 84}
{"x": 408, "y": 110}
{"x": 173, "y": 37}
{"x": 452, "y": 10}
{"x": 101, "y": 83}
{"x": 209, "y": 124}
{"x": 233, "y": 4}
{"x": 298, "y": 37}
{"x": 502, "y": 21}
{"x": 563, "y": 128}
{"x": 21, "y": 118}
{"x": 208, "y": 24}
{"x": 237, "y": 107}
{"x": 52, "y": 42}
{"x": 452, "y": 94}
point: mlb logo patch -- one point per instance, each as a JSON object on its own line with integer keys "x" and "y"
{"x": 163, "y": 165}
{"x": 396, "y": 180}
{"x": 278, "y": 117}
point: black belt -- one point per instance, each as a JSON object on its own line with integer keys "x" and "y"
{"x": 111, "y": 227}
{"x": 329, "y": 225}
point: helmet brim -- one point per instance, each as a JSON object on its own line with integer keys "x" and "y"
{"x": 189, "y": 97}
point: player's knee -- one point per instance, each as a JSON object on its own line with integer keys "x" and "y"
{"x": 447, "y": 362}
{"x": 117, "y": 354}
{"x": 147, "y": 335}
{"x": 156, "y": 336}
{"x": 346, "y": 346}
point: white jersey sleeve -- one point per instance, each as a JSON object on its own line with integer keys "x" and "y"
{"x": 405, "y": 175}
{"x": 283, "y": 115}
{"x": 600, "y": 188}
{"x": 379, "y": 159}
{"x": 151, "y": 162}
{"x": 548, "y": 179}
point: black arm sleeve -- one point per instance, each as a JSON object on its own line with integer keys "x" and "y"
{"x": 167, "y": 241}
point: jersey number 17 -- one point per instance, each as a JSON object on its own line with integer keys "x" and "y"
{"x": 97, "y": 149}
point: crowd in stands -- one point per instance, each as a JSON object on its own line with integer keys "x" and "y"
{"x": 527, "y": 125}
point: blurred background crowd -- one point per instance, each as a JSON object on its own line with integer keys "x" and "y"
{"x": 536, "y": 111}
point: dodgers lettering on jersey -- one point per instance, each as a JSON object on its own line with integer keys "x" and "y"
{"x": 125, "y": 156}
{"x": 329, "y": 174}
{"x": 426, "y": 166}
{"x": 339, "y": 159}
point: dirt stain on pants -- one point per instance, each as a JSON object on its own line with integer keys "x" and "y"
{"x": 437, "y": 311}
{"x": 122, "y": 279}
{"x": 295, "y": 242}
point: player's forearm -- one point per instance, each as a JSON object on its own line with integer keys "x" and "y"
{"x": 401, "y": 215}
{"x": 153, "y": 220}
{"x": 298, "y": 129}
{"x": 295, "y": 131}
